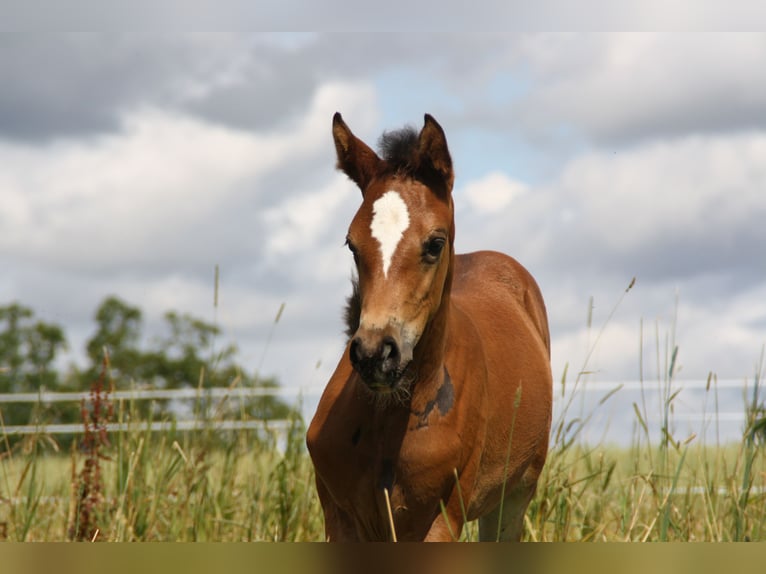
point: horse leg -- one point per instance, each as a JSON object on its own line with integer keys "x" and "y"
{"x": 448, "y": 524}
{"x": 338, "y": 527}
{"x": 509, "y": 514}
{"x": 443, "y": 531}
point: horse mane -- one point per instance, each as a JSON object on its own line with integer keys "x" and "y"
{"x": 399, "y": 150}
{"x": 353, "y": 311}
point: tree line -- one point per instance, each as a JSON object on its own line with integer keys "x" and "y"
{"x": 181, "y": 357}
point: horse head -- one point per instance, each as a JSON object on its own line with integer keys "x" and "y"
{"x": 402, "y": 242}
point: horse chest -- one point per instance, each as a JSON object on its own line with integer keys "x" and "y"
{"x": 414, "y": 461}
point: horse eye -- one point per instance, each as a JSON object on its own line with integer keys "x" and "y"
{"x": 353, "y": 250}
{"x": 433, "y": 248}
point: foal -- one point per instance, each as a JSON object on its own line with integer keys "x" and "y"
{"x": 439, "y": 410}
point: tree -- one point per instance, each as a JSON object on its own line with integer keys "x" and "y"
{"x": 28, "y": 350}
{"x": 185, "y": 356}
{"x": 119, "y": 332}
{"x": 180, "y": 359}
{"x": 12, "y": 318}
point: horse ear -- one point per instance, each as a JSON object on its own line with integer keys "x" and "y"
{"x": 433, "y": 151}
{"x": 355, "y": 158}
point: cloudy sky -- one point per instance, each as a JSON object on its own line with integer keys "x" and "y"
{"x": 132, "y": 164}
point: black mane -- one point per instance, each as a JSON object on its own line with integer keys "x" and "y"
{"x": 399, "y": 149}
{"x": 401, "y": 155}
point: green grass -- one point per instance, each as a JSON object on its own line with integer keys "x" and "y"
{"x": 611, "y": 494}
{"x": 201, "y": 486}
{"x": 238, "y": 486}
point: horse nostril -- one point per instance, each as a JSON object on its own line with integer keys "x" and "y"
{"x": 355, "y": 351}
{"x": 376, "y": 363}
{"x": 389, "y": 349}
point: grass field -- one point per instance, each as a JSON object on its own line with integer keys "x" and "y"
{"x": 248, "y": 485}
{"x": 258, "y": 486}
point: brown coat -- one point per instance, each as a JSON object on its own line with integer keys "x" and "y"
{"x": 478, "y": 375}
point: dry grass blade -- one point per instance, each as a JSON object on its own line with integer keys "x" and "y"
{"x": 390, "y": 515}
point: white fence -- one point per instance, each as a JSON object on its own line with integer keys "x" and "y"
{"x": 144, "y": 394}
{"x": 709, "y": 410}
{"x": 220, "y": 394}
{"x": 698, "y": 403}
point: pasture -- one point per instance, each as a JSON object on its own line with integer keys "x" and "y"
{"x": 249, "y": 485}
{"x": 256, "y": 483}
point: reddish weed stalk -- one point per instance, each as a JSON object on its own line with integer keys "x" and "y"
{"x": 96, "y": 414}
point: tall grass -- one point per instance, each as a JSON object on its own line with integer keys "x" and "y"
{"x": 164, "y": 486}
{"x": 250, "y": 485}
{"x": 245, "y": 485}
{"x": 670, "y": 489}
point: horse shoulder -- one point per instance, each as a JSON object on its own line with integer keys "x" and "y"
{"x": 504, "y": 286}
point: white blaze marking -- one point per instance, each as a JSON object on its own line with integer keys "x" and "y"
{"x": 390, "y": 219}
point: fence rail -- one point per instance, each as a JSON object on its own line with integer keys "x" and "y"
{"x": 144, "y": 394}
{"x": 279, "y": 425}
{"x": 649, "y": 385}
{"x": 46, "y": 397}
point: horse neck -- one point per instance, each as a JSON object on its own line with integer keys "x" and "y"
{"x": 430, "y": 351}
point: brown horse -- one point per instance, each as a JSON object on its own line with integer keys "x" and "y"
{"x": 439, "y": 410}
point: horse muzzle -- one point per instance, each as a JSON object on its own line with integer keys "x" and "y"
{"x": 379, "y": 359}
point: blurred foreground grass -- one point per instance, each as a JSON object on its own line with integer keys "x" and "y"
{"x": 244, "y": 486}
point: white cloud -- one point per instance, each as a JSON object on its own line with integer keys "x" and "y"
{"x": 158, "y": 190}
{"x": 125, "y": 196}
{"x": 617, "y": 87}
{"x": 493, "y": 192}
{"x": 681, "y": 215}
{"x": 690, "y": 200}
{"x": 633, "y": 337}
{"x": 298, "y": 221}
{"x": 146, "y": 212}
